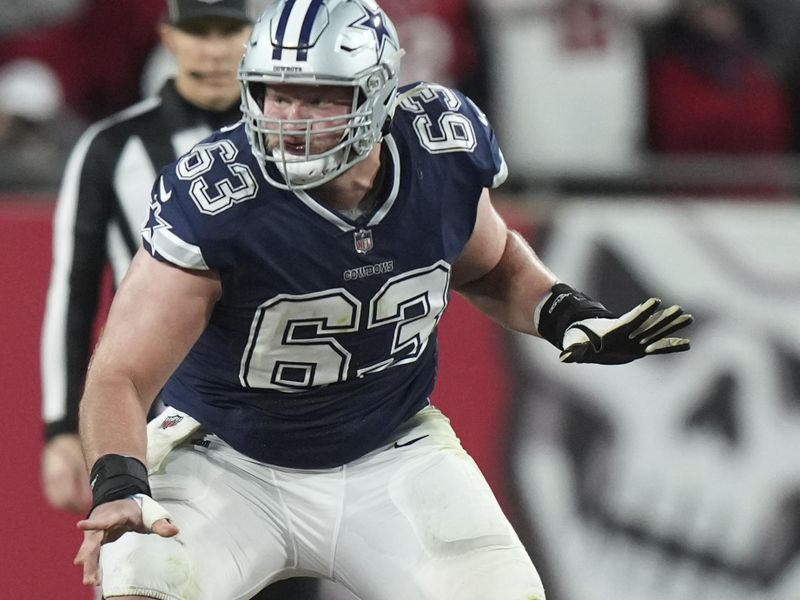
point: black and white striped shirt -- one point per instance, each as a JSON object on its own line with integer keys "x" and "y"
{"x": 101, "y": 206}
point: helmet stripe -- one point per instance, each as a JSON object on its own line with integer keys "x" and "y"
{"x": 294, "y": 15}
{"x": 284, "y": 20}
{"x": 305, "y": 32}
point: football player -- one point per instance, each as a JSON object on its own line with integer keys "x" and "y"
{"x": 294, "y": 271}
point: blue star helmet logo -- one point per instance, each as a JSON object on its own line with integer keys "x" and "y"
{"x": 375, "y": 22}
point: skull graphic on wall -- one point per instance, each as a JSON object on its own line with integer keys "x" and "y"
{"x": 674, "y": 477}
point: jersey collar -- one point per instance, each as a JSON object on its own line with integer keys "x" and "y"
{"x": 383, "y": 209}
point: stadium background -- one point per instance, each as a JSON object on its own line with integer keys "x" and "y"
{"x": 674, "y": 479}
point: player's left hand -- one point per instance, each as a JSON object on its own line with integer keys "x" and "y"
{"x": 108, "y": 521}
{"x": 640, "y": 332}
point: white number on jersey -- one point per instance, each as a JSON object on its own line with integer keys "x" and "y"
{"x": 238, "y": 187}
{"x": 277, "y": 358}
{"x": 453, "y": 131}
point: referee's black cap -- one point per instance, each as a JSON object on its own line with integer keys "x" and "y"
{"x": 184, "y": 11}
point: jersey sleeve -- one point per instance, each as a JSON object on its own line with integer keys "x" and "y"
{"x": 198, "y": 204}
{"x": 446, "y": 122}
{"x": 487, "y": 157}
{"x": 170, "y": 233}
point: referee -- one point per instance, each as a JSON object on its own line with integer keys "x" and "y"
{"x": 103, "y": 202}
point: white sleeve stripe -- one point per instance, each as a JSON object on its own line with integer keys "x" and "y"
{"x": 54, "y": 332}
{"x": 176, "y": 251}
{"x": 502, "y": 174}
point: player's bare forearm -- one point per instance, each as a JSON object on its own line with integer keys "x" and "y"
{"x": 155, "y": 318}
{"x": 510, "y": 291}
{"x": 113, "y": 420}
{"x": 500, "y": 273}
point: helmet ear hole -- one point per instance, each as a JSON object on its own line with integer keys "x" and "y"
{"x": 387, "y": 126}
{"x": 388, "y": 105}
{"x": 258, "y": 91}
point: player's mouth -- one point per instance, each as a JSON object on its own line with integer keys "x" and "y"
{"x": 294, "y": 145}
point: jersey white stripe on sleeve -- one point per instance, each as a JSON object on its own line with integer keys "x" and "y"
{"x": 501, "y": 174}
{"x": 175, "y": 250}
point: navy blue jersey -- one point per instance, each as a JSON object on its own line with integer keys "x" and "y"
{"x": 324, "y": 339}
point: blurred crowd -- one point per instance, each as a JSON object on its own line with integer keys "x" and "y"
{"x": 572, "y": 86}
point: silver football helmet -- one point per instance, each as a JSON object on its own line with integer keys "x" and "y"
{"x": 320, "y": 42}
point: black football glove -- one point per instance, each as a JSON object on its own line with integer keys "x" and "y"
{"x": 640, "y": 332}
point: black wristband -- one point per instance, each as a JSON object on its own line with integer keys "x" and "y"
{"x": 114, "y": 477}
{"x": 563, "y": 308}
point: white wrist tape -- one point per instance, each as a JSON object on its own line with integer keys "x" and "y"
{"x": 152, "y": 511}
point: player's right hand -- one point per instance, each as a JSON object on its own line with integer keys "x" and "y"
{"x": 65, "y": 481}
{"x": 108, "y": 521}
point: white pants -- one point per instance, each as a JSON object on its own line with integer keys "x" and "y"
{"x": 415, "y": 521}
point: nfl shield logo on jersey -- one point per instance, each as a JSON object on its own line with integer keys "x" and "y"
{"x": 363, "y": 240}
{"x": 170, "y": 421}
